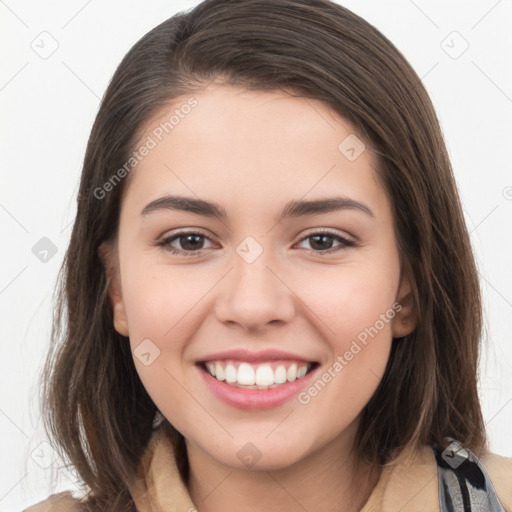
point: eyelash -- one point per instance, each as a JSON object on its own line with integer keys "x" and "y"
{"x": 344, "y": 242}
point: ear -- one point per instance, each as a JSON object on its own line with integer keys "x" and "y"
{"x": 405, "y": 319}
{"x": 108, "y": 256}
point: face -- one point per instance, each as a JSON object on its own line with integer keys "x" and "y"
{"x": 256, "y": 244}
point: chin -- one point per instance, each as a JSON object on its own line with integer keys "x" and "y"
{"x": 252, "y": 453}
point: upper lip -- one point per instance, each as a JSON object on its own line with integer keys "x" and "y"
{"x": 246, "y": 355}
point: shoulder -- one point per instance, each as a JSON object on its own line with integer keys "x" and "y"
{"x": 60, "y": 502}
{"x": 499, "y": 469}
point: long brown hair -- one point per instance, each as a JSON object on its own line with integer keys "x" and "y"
{"x": 94, "y": 403}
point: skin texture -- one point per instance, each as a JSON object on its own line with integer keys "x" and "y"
{"x": 252, "y": 152}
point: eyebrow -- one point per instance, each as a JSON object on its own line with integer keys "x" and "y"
{"x": 294, "y": 208}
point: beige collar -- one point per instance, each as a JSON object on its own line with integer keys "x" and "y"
{"x": 159, "y": 487}
{"x": 408, "y": 485}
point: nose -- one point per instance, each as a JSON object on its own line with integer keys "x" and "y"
{"x": 253, "y": 295}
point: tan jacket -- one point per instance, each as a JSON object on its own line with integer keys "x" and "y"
{"x": 410, "y": 486}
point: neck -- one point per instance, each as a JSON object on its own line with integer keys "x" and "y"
{"x": 333, "y": 478}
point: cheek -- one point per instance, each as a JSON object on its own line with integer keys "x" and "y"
{"x": 159, "y": 303}
{"x": 351, "y": 299}
{"x": 355, "y": 311}
{"x": 163, "y": 306}
{"x": 160, "y": 299}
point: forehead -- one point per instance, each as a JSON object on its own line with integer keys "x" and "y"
{"x": 251, "y": 145}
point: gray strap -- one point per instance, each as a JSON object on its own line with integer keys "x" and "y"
{"x": 464, "y": 485}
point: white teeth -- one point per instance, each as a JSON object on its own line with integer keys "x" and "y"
{"x": 301, "y": 371}
{"x": 280, "y": 375}
{"x": 291, "y": 374}
{"x": 264, "y": 375}
{"x": 231, "y": 374}
{"x": 256, "y": 376}
{"x": 219, "y": 371}
{"x": 246, "y": 375}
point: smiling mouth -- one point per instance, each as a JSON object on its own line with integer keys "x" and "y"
{"x": 267, "y": 375}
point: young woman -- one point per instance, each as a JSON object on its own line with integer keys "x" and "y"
{"x": 269, "y": 301}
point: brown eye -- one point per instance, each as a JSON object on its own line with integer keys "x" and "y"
{"x": 191, "y": 242}
{"x": 324, "y": 242}
{"x": 188, "y": 242}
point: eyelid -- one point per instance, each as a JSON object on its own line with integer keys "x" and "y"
{"x": 183, "y": 230}
{"x": 328, "y": 231}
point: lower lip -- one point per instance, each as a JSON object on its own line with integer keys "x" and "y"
{"x": 255, "y": 398}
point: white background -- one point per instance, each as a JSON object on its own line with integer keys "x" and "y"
{"x": 48, "y": 107}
